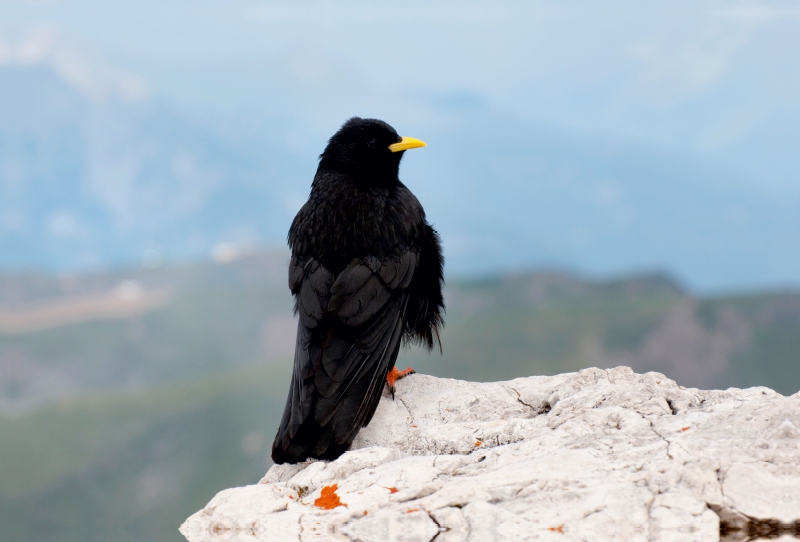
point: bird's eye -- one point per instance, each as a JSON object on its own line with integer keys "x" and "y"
{"x": 372, "y": 143}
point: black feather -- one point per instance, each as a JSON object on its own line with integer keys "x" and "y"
{"x": 366, "y": 272}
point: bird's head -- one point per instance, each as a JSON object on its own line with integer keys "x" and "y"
{"x": 369, "y": 150}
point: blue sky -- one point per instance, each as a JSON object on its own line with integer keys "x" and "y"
{"x": 705, "y": 94}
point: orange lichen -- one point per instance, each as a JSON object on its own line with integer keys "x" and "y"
{"x": 478, "y": 443}
{"x": 556, "y": 529}
{"x": 328, "y": 499}
{"x": 684, "y": 428}
{"x": 291, "y": 497}
{"x": 365, "y": 512}
{"x": 391, "y": 489}
{"x": 412, "y": 510}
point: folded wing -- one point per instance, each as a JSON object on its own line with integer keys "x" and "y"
{"x": 349, "y": 333}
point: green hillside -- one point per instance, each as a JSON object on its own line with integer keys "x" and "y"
{"x": 770, "y": 355}
{"x": 117, "y": 428}
{"x": 549, "y": 323}
{"x": 538, "y": 324}
{"x": 133, "y": 466}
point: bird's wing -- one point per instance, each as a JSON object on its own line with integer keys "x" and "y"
{"x": 348, "y": 336}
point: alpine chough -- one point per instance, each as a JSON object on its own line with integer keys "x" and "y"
{"x": 366, "y": 273}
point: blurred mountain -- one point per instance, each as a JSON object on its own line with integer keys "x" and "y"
{"x": 96, "y": 171}
{"x": 548, "y": 323}
{"x": 516, "y": 194}
{"x": 135, "y": 329}
{"x": 128, "y": 398}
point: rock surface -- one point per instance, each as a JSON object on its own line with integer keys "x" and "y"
{"x": 594, "y": 455}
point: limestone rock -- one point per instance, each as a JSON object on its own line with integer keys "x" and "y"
{"x": 594, "y": 455}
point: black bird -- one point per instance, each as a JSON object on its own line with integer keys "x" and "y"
{"x": 366, "y": 274}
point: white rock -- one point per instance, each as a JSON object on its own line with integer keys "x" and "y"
{"x": 594, "y": 455}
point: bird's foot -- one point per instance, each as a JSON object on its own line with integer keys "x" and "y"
{"x": 395, "y": 375}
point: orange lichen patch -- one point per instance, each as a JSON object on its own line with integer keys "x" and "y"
{"x": 412, "y": 510}
{"x": 684, "y": 428}
{"x": 413, "y": 426}
{"x": 365, "y": 512}
{"x": 478, "y": 443}
{"x": 291, "y": 497}
{"x": 556, "y": 529}
{"x": 391, "y": 489}
{"x": 328, "y": 499}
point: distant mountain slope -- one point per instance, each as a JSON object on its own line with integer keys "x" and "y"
{"x": 210, "y": 318}
{"x": 167, "y": 324}
{"x": 90, "y": 182}
{"x": 548, "y": 323}
{"x": 92, "y": 177}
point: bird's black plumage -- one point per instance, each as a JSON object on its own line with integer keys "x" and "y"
{"x": 366, "y": 273}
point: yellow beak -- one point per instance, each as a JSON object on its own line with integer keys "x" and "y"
{"x": 406, "y": 143}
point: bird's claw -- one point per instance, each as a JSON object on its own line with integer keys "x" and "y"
{"x": 395, "y": 375}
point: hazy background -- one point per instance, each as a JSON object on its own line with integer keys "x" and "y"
{"x": 615, "y": 183}
{"x": 600, "y": 137}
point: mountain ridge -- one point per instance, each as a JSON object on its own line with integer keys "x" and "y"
{"x": 88, "y": 184}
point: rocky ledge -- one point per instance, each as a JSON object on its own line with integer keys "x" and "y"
{"x": 593, "y": 455}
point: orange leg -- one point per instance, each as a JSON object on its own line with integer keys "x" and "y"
{"x": 395, "y": 375}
